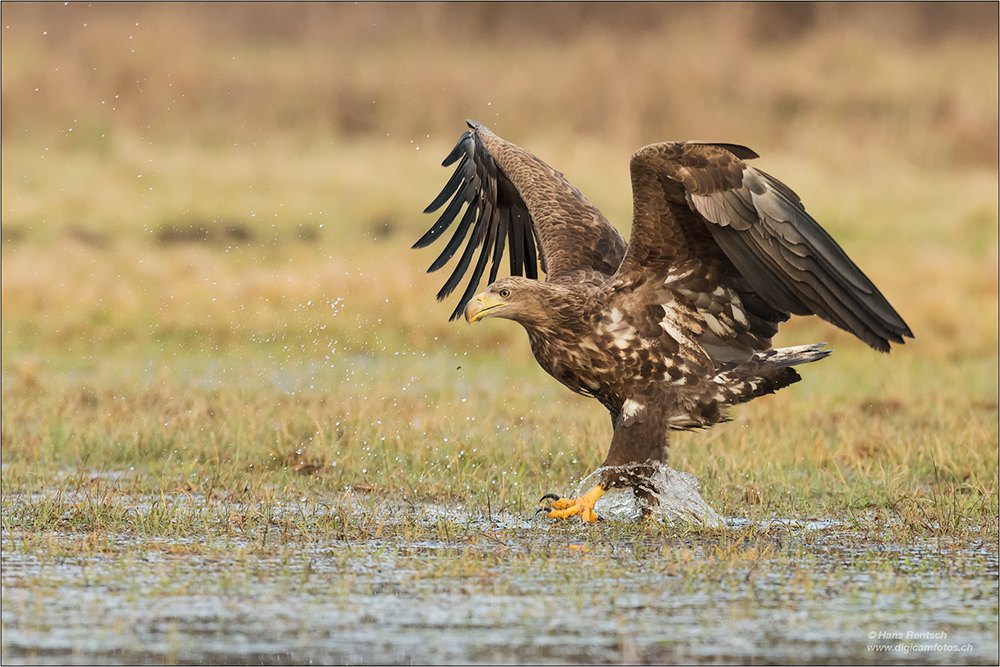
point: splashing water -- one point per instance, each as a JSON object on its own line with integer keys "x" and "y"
{"x": 678, "y": 498}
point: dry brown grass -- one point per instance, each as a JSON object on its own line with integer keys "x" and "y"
{"x": 917, "y": 79}
{"x": 207, "y": 213}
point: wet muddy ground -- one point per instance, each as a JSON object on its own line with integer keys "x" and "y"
{"x": 500, "y": 588}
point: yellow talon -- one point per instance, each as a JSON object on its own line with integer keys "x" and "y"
{"x": 564, "y": 508}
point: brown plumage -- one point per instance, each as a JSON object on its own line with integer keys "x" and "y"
{"x": 669, "y": 329}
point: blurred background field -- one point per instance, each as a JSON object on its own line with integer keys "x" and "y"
{"x": 206, "y": 204}
{"x": 221, "y": 356}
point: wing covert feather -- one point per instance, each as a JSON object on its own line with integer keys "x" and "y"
{"x": 760, "y": 225}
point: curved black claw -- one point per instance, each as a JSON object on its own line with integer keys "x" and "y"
{"x": 548, "y": 496}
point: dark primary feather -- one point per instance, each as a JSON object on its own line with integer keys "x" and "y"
{"x": 489, "y": 209}
{"x": 515, "y": 202}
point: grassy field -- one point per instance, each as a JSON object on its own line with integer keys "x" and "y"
{"x": 229, "y": 396}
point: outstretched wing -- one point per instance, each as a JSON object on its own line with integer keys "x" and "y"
{"x": 717, "y": 226}
{"x": 513, "y": 199}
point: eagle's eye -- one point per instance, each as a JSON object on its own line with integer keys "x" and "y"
{"x": 504, "y": 293}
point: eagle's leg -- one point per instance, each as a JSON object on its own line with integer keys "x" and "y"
{"x": 564, "y": 508}
{"x": 638, "y": 445}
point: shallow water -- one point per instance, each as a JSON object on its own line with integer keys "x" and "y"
{"x": 506, "y": 588}
{"x": 677, "y": 499}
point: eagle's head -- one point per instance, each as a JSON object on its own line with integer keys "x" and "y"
{"x": 514, "y": 298}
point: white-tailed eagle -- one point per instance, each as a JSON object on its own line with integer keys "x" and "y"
{"x": 672, "y": 327}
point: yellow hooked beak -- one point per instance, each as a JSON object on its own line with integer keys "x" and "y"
{"x": 483, "y": 305}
